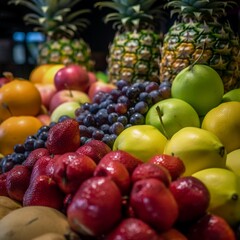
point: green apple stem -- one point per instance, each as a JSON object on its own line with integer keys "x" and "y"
{"x": 161, "y": 121}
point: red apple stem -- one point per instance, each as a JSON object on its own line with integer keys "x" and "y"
{"x": 161, "y": 121}
{"x": 70, "y": 91}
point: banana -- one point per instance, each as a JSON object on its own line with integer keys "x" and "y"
{"x": 197, "y": 148}
{"x": 7, "y": 205}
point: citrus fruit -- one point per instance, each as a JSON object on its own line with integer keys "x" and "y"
{"x": 36, "y": 75}
{"x": 48, "y": 76}
{"x": 173, "y": 115}
{"x": 224, "y": 122}
{"x": 233, "y": 161}
{"x": 197, "y": 148}
{"x": 19, "y": 97}
{"x": 15, "y": 130}
{"x": 141, "y": 141}
{"x": 224, "y": 188}
{"x": 200, "y": 86}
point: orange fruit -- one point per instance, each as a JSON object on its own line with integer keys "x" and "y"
{"x": 48, "y": 76}
{"x": 15, "y": 130}
{"x": 19, "y": 97}
{"x": 37, "y": 73}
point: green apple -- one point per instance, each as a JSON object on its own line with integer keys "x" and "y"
{"x": 232, "y": 95}
{"x": 200, "y": 86}
{"x": 141, "y": 141}
{"x": 67, "y": 109}
{"x": 173, "y": 115}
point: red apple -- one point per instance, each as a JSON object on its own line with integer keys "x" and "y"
{"x": 73, "y": 76}
{"x": 3, "y": 81}
{"x": 99, "y": 86}
{"x": 92, "y": 77}
{"x": 67, "y": 96}
{"x": 44, "y": 118}
{"x": 6, "y": 78}
{"x": 46, "y": 91}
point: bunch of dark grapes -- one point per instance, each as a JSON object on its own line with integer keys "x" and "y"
{"x": 103, "y": 119}
{"x": 110, "y": 113}
{"x": 21, "y": 151}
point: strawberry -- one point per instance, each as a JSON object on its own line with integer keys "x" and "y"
{"x": 17, "y": 182}
{"x": 34, "y": 156}
{"x": 3, "y": 186}
{"x": 43, "y": 166}
{"x": 150, "y": 170}
{"x": 63, "y": 137}
{"x": 173, "y": 164}
{"x": 116, "y": 171}
{"x": 128, "y": 160}
{"x": 95, "y": 149}
{"x": 44, "y": 191}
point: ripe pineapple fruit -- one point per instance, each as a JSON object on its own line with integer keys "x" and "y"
{"x": 135, "y": 51}
{"x": 60, "y": 25}
{"x": 201, "y": 33}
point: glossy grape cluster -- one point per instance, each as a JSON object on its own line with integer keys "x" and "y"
{"x": 102, "y": 119}
{"x": 110, "y": 113}
{"x": 21, "y": 151}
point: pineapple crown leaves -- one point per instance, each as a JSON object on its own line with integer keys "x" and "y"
{"x": 54, "y": 18}
{"x": 199, "y": 9}
{"x": 132, "y": 13}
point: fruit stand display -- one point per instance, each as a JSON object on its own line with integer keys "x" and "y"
{"x": 149, "y": 150}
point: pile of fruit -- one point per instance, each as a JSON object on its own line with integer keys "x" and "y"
{"x": 123, "y": 155}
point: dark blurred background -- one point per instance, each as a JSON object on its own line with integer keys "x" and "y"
{"x": 18, "y": 43}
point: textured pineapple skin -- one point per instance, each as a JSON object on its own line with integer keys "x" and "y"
{"x": 66, "y": 51}
{"x": 134, "y": 56}
{"x": 184, "y": 42}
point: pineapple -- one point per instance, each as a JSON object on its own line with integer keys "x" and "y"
{"x": 201, "y": 33}
{"x": 134, "y": 53}
{"x": 60, "y": 25}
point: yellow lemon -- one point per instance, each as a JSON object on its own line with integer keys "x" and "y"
{"x": 224, "y": 122}
{"x": 197, "y": 148}
{"x": 48, "y": 76}
{"x": 37, "y": 73}
{"x": 233, "y": 161}
{"x": 224, "y": 188}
